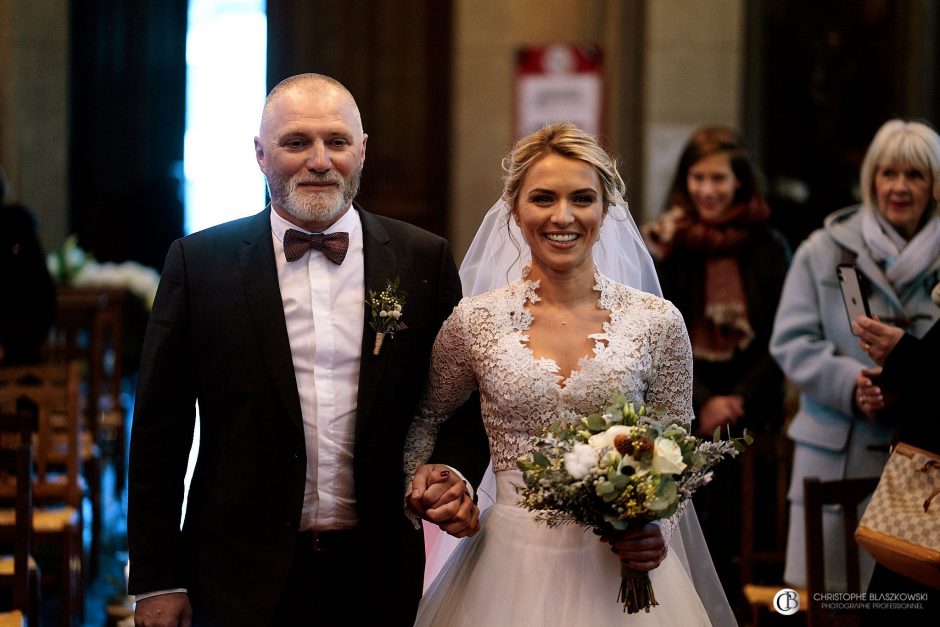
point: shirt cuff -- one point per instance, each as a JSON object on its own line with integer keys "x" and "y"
{"x": 466, "y": 484}
{"x": 147, "y": 595}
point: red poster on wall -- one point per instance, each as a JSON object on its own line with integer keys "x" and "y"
{"x": 558, "y": 83}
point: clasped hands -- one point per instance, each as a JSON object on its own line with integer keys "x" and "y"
{"x": 440, "y": 496}
{"x": 877, "y": 339}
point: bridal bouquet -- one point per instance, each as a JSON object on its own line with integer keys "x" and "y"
{"x": 623, "y": 468}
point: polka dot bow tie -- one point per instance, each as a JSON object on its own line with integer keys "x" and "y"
{"x": 333, "y": 246}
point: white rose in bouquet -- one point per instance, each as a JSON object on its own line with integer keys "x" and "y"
{"x": 667, "y": 457}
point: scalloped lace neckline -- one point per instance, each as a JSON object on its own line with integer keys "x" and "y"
{"x": 528, "y": 293}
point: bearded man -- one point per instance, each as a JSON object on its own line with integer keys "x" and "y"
{"x": 295, "y": 513}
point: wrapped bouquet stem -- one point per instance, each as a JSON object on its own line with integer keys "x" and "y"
{"x": 621, "y": 468}
{"x": 636, "y": 590}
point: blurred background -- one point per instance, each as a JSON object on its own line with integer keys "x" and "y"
{"x": 129, "y": 123}
{"x": 101, "y": 101}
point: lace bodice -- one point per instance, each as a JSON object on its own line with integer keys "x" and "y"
{"x": 642, "y": 352}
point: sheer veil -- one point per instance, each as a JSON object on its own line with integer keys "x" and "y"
{"x": 498, "y": 253}
{"x": 496, "y": 257}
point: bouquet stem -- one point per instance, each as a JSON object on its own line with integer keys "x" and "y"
{"x": 379, "y": 338}
{"x": 636, "y": 591}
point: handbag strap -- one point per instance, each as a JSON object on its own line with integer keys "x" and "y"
{"x": 931, "y": 463}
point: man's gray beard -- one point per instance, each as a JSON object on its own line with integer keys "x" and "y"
{"x": 319, "y": 207}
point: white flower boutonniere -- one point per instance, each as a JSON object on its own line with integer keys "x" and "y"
{"x": 386, "y": 312}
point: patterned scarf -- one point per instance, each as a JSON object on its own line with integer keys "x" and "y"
{"x": 681, "y": 228}
{"x": 723, "y": 327}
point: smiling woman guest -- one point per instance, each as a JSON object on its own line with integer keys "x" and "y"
{"x": 893, "y": 238}
{"x": 723, "y": 266}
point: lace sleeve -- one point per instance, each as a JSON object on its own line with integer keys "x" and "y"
{"x": 670, "y": 387}
{"x": 450, "y": 382}
{"x": 668, "y": 525}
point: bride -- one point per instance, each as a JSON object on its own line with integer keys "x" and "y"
{"x": 555, "y": 344}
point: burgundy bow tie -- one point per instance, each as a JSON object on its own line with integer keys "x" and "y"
{"x": 333, "y": 246}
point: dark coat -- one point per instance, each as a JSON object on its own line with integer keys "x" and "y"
{"x": 28, "y": 293}
{"x": 218, "y": 334}
{"x": 752, "y": 373}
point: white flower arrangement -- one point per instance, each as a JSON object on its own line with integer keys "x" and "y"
{"x": 72, "y": 266}
{"x": 621, "y": 468}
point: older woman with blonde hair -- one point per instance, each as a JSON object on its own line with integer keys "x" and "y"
{"x": 893, "y": 240}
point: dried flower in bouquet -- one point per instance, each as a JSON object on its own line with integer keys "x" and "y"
{"x": 622, "y": 468}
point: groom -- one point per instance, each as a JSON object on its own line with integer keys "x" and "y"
{"x": 295, "y": 511}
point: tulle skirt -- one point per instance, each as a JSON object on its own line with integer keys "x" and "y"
{"x": 517, "y": 572}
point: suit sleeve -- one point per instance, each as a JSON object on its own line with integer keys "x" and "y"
{"x": 162, "y": 434}
{"x": 461, "y": 442}
{"x": 911, "y": 367}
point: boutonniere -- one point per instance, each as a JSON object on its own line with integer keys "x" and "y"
{"x": 386, "y": 312}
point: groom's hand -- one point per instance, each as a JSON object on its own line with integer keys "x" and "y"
{"x": 440, "y": 496}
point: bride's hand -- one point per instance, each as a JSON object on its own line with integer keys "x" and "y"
{"x": 640, "y": 549}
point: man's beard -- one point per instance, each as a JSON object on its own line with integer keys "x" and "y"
{"x": 319, "y": 207}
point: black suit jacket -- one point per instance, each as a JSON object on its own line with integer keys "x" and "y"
{"x": 217, "y": 333}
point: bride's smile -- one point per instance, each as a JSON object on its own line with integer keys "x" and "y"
{"x": 560, "y": 210}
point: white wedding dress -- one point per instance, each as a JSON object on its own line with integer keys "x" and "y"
{"x": 516, "y": 572}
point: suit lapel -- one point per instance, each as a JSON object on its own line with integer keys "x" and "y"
{"x": 380, "y": 264}
{"x": 262, "y": 292}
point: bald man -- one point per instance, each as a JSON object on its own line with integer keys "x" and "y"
{"x": 295, "y": 513}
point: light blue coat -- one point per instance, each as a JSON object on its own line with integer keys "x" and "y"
{"x": 813, "y": 343}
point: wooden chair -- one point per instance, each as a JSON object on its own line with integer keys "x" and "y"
{"x": 57, "y": 487}
{"x": 762, "y": 568}
{"x": 762, "y": 562}
{"x": 848, "y": 494}
{"x": 20, "y": 570}
{"x": 90, "y": 328}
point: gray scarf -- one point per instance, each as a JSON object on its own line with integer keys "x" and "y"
{"x": 904, "y": 261}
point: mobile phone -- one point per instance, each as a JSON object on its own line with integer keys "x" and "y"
{"x": 851, "y": 285}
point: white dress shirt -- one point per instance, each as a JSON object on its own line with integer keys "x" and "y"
{"x": 324, "y": 308}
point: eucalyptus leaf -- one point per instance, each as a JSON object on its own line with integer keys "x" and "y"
{"x": 596, "y": 423}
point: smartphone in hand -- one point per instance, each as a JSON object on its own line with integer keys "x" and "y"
{"x": 851, "y": 285}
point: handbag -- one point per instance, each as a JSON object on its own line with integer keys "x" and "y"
{"x": 901, "y": 525}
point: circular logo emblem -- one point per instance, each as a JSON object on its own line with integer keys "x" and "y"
{"x": 787, "y": 602}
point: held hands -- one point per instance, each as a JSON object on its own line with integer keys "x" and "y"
{"x": 868, "y": 397}
{"x": 164, "y": 610}
{"x": 719, "y": 411}
{"x": 876, "y": 338}
{"x": 641, "y": 549}
{"x": 439, "y": 496}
